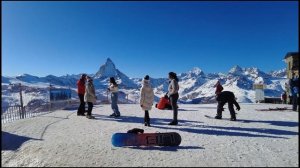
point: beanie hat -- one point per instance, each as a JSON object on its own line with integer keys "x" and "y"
{"x": 146, "y": 77}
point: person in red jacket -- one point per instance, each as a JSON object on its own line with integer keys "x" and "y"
{"x": 219, "y": 88}
{"x": 81, "y": 91}
{"x": 164, "y": 103}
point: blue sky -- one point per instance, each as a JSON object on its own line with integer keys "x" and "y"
{"x": 58, "y": 38}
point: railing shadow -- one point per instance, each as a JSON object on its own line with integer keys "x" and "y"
{"x": 12, "y": 141}
{"x": 276, "y": 123}
{"x": 135, "y": 119}
{"x": 227, "y": 131}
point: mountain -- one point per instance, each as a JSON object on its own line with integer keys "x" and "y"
{"x": 195, "y": 85}
{"x": 109, "y": 70}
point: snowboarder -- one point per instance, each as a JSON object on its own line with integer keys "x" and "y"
{"x": 113, "y": 88}
{"x": 81, "y": 92}
{"x": 223, "y": 98}
{"x": 173, "y": 95}
{"x": 146, "y": 100}
{"x": 90, "y": 96}
{"x": 164, "y": 103}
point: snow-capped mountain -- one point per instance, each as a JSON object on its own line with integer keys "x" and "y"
{"x": 109, "y": 70}
{"x": 195, "y": 85}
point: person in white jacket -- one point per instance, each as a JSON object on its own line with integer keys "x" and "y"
{"x": 90, "y": 96}
{"x": 113, "y": 88}
{"x": 173, "y": 95}
{"x": 147, "y": 98}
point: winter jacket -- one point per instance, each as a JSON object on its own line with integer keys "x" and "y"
{"x": 219, "y": 89}
{"x": 173, "y": 87}
{"x": 147, "y": 95}
{"x": 81, "y": 86}
{"x": 227, "y": 96}
{"x": 162, "y": 103}
{"x": 113, "y": 88}
{"x": 90, "y": 95}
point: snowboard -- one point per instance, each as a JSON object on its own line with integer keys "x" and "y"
{"x": 211, "y": 117}
{"x": 274, "y": 109}
{"x": 146, "y": 139}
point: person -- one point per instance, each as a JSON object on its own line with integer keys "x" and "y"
{"x": 81, "y": 92}
{"x": 146, "y": 100}
{"x": 223, "y": 98}
{"x": 113, "y": 88}
{"x": 219, "y": 88}
{"x": 294, "y": 86}
{"x": 164, "y": 103}
{"x": 173, "y": 95}
{"x": 288, "y": 94}
{"x": 90, "y": 96}
{"x": 283, "y": 97}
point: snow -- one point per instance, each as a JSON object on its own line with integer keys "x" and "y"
{"x": 61, "y": 138}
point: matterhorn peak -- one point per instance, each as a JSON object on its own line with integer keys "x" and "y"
{"x": 236, "y": 70}
{"x": 107, "y": 70}
{"x": 197, "y": 71}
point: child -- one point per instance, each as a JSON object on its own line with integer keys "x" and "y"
{"x": 146, "y": 100}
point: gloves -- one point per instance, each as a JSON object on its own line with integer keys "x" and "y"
{"x": 238, "y": 108}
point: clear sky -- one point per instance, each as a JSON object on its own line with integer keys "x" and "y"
{"x": 59, "y": 38}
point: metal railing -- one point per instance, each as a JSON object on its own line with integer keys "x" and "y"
{"x": 16, "y": 112}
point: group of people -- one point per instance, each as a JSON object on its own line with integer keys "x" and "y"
{"x": 87, "y": 94}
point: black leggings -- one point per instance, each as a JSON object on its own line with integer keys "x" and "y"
{"x": 173, "y": 101}
{"x": 81, "y": 108}
{"x": 147, "y": 117}
{"x": 90, "y": 108}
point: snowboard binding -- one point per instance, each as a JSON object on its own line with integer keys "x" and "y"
{"x": 136, "y": 131}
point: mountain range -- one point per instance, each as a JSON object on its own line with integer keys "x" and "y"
{"x": 195, "y": 85}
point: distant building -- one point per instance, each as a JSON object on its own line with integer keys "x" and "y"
{"x": 259, "y": 92}
{"x": 292, "y": 61}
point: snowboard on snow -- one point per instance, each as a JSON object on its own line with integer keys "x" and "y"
{"x": 211, "y": 117}
{"x": 146, "y": 139}
{"x": 274, "y": 109}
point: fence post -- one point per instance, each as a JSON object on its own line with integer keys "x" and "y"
{"x": 50, "y": 97}
{"x": 21, "y": 101}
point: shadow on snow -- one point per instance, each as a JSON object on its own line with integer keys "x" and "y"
{"x": 210, "y": 130}
{"x": 12, "y": 141}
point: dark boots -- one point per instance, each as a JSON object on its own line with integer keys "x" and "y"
{"x": 147, "y": 118}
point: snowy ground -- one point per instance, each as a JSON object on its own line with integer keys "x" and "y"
{"x": 61, "y": 138}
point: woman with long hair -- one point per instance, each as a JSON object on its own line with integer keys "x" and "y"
{"x": 113, "y": 88}
{"x": 173, "y": 95}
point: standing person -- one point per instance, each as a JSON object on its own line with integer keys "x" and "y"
{"x": 81, "y": 91}
{"x": 223, "y": 98}
{"x": 294, "y": 86}
{"x": 173, "y": 95}
{"x": 283, "y": 97}
{"x": 219, "y": 88}
{"x": 287, "y": 89}
{"x": 147, "y": 98}
{"x": 90, "y": 96}
{"x": 113, "y": 88}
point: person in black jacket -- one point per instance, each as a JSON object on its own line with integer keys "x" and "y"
{"x": 223, "y": 98}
